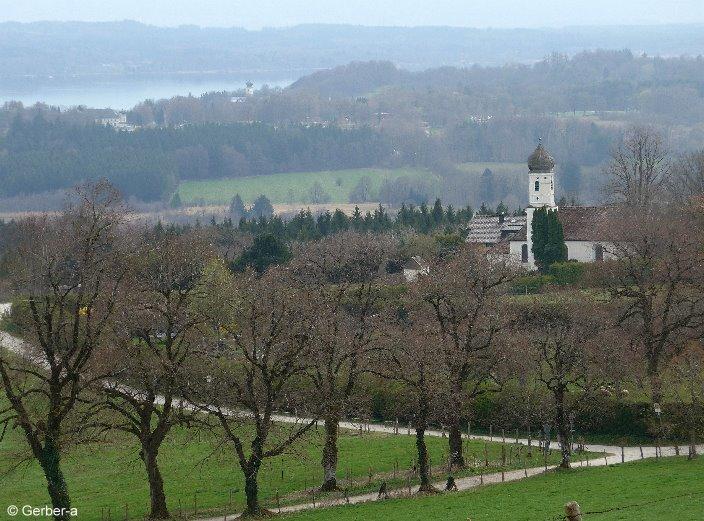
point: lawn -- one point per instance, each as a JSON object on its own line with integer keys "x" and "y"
{"x": 650, "y": 490}
{"x": 290, "y": 188}
{"x": 196, "y": 469}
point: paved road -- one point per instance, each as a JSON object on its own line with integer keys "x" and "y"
{"x": 612, "y": 454}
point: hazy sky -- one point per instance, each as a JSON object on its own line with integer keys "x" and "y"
{"x": 258, "y": 13}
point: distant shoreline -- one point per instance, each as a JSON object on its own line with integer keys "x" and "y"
{"x": 123, "y": 92}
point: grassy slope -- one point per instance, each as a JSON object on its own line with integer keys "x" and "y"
{"x": 655, "y": 482}
{"x": 338, "y": 184}
{"x": 112, "y": 475}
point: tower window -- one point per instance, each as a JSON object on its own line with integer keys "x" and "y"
{"x": 537, "y": 186}
{"x": 524, "y": 253}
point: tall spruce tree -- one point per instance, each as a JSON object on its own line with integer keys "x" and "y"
{"x": 548, "y": 239}
{"x": 237, "y": 209}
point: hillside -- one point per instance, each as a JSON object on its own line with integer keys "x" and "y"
{"x": 129, "y": 48}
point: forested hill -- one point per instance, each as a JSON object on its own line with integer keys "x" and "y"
{"x": 130, "y": 48}
{"x": 598, "y": 80}
{"x": 39, "y": 155}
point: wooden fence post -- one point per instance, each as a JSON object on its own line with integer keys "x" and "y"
{"x": 573, "y": 512}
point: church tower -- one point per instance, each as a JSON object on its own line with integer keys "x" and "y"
{"x": 541, "y": 190}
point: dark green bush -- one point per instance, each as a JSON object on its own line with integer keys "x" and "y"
{"x": 566, "y": 273}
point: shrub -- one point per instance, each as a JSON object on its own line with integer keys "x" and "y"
{"x": 530, "y": 284}
{"x": 566, "y": 273}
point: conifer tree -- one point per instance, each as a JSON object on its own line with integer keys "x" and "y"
{"x": 438, "y": 213}
{"x": 176, "y": 201}
{"x": 237, "y": 210}
{"x": 548, "y": 239}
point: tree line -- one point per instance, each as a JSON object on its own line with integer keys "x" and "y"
{"x": 42, "y": 155}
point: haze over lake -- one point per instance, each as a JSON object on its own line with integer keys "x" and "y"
{"x": 120, "y": 93}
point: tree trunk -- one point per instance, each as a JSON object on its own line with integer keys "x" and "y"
{"x": 56, "y": 484}
{"x": 655, "y": 381}
{"x": 251, "y": 490}
{"x": 455, "y": 438}
{"x": 692, "y": 453}
{"x": 158, "y": 509}
{"x": 563, "y": 429}
{"x": 423, "y": 470}
{"x": 456, "y": 456}
{"x": 330, "y": 454}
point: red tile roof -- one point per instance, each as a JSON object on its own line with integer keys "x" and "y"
{"x": 580, "y": 223}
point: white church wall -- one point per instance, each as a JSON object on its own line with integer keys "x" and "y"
{"x": 585, "y": 251}
{"x": 582, "y": 251}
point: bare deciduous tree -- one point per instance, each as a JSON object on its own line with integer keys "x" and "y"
{"x": 462, "y": 299}
{"x": 656, "y": 279}
{"x": 341, "y": 277}
{"x": 688, "y": 175}
{"x": 68, "y": 273}
{"x": 639, "y": 168}
{"x": 410, "y": 357}
{"x": 566, "y": 345}
{"x": 163, "y": 331}
{"x": 257, "y": 366}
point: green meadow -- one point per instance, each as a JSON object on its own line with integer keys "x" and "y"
{"x": 291, "y": 187}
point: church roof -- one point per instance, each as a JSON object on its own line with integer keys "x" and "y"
{"x": 491, "y": 229}
{"x": 579, "y": 223}
{"x": 540, "y": 160}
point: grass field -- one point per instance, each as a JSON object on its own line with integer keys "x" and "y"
{"x": 112, "y": 475}
{"x": 651, "y": 490}
{"x": 292, "y": 187}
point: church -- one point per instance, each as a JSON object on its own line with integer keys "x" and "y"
{"x": 511, "y": 235}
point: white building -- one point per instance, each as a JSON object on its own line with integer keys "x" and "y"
{"x": 582, "y": 225}
{"x": 414, "y": 267}
{"x": 116, "y": 120}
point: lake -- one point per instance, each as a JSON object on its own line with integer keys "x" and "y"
{"x": 121, "y": 92}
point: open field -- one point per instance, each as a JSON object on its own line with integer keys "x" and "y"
{"x": 291, "y": 187}
{"x": 197, "y": 468}
{"x": 650, "y": 490}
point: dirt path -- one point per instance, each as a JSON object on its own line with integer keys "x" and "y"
{"x": 612, "y": 456}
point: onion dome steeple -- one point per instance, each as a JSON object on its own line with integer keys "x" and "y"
{"x": 540, "y": 161}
